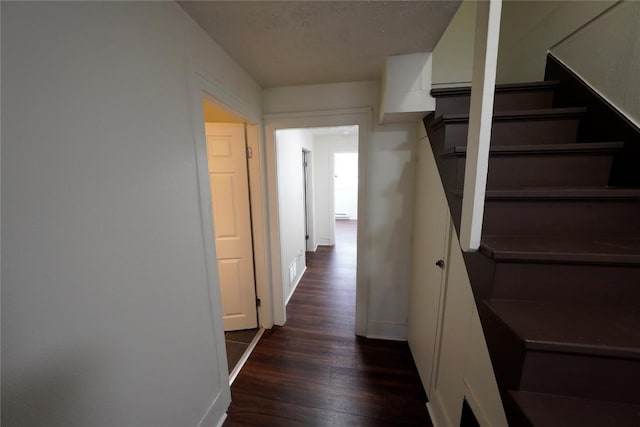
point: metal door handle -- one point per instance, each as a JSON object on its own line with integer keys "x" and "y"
{"x": 440, "y": 263}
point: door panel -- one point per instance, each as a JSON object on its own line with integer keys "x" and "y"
{"x": 226, "y": 152}
{"x": 430, "y": 245}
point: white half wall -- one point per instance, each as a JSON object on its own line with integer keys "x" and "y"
{"x": 110, "y": 313}
{"x": 606, "y": 54}
{"x": 386, "y": 228}
{"x": 453, "y": 55}
{"x": 325, "y": 147}
{"x": 289, "y": 146}
{"x": 529, "y": 29}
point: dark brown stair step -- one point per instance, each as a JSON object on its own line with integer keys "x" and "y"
{"x": 516, "y": 127}
{"x": 545, "y": 165}
{"x": 562, "y": 211}
{"x": 559, "y": 249}
{"x": 550, "y": 410}
{"x": 581, "y": 193}
{"x": 566, "y": 282}
{"x": 577, "y": 350}
{"x": 539, "y": 149}
{"x": 573, "y": 328}
{"x": 513, "y": 96}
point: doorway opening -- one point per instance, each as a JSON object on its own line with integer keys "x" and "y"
{"x": 357, "y": 118}
{"x": 228, "y": 156}
{"x": 317, "y": 185}
{"x": 345, "y": 196}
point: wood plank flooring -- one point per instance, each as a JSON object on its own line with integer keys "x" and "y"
{"x": 314, "y": 371}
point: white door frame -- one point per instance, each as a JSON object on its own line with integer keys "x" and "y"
{"x": 361, "y": 117}
{"x": 307, "y": 170}
{"x": 199, "y": 87}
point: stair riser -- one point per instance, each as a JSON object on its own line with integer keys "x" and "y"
{"x": 577, "y": 283}
{"x": 593, "y": 377}
{"x": 526, "y": 100}
{"x": 517, "y": 171}
{"x": 561, "y": 217}
{"x": 519, "y": 132}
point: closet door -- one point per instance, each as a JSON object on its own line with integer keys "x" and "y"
{"x": 429, "y": 264}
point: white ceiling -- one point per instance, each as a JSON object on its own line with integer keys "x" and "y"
{"x": 283, "y": 43}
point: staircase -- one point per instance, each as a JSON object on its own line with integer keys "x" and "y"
{"x": 557, "y": 277}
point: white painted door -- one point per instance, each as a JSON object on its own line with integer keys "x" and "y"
{"x": 431, "y": 237}
{"x": 345, "y": 185}
{"x": 226, "y": 153}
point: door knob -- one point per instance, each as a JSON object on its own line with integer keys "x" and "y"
{"x": 440, "y": 263}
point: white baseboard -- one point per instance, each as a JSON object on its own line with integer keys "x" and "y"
{"x": 222, "y": 420}
{"x": 293, "y": 289}
{"x": 217, "y": 411}
{"x": 437, "y": 412}
{"x": 325, "y": 242}
{"x": 448, "y": 85}
{"x": 433, "y": 415}
{"x": 387, "y": 330}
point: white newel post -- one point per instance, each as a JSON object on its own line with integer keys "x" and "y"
{"x": 480, "y": 118}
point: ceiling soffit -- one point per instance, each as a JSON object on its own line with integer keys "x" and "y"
{"x": 282, "y": 43}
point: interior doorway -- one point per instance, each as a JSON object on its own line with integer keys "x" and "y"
{"x": 229, "y": 184}
{"x": 360, "y": 119}
{"x": 312, "y": 193}
{"x": 227, "y": 154}
{"x": 345, "y": 186}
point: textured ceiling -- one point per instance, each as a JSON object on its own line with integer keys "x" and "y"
{"x": 283, "y": 43}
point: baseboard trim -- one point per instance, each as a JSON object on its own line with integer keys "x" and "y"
{"x": 295, "y": 286}
{"x": 448, "y": 85}
{"x": 245, "y": 357}
{"x": 475, "y": 405}
{"x": 392, "y": 331}
{"x": 222, "y": 420}
{"x": 219, "y": 405}
{"x": 437, "y": 413}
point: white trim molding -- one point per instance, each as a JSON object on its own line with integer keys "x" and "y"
{"x": 391, "y": 331}
{"x": 325, "y": 118}
{"x": 480, "y": 119}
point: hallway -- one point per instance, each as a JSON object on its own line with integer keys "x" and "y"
{"x": 314, "y": 371}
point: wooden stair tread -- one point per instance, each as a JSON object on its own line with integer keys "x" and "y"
{"x": 461, "y": 150}
{"x": 612, "y": 331}
{"x": 507, "y": 87}
{"x": 519, "y": 115}
{"x": 562, "y": 193}
{"x": 553, "y": 227}
{"x": 552, "y": 410}
{"x": 562, "y": 249}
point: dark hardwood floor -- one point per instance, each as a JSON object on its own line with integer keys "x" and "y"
{"x": 314, "y": 371}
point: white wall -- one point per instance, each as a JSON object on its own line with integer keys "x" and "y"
{"x": 529, "y": 28}
{"x": 389, "y": 195}
{"x": 106, "y": 308}
{"x": 453, "y": 55}
{"x": 325, "y": 146}
{"x": 289, "y": 145}
{"x": 606, "y": 54}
